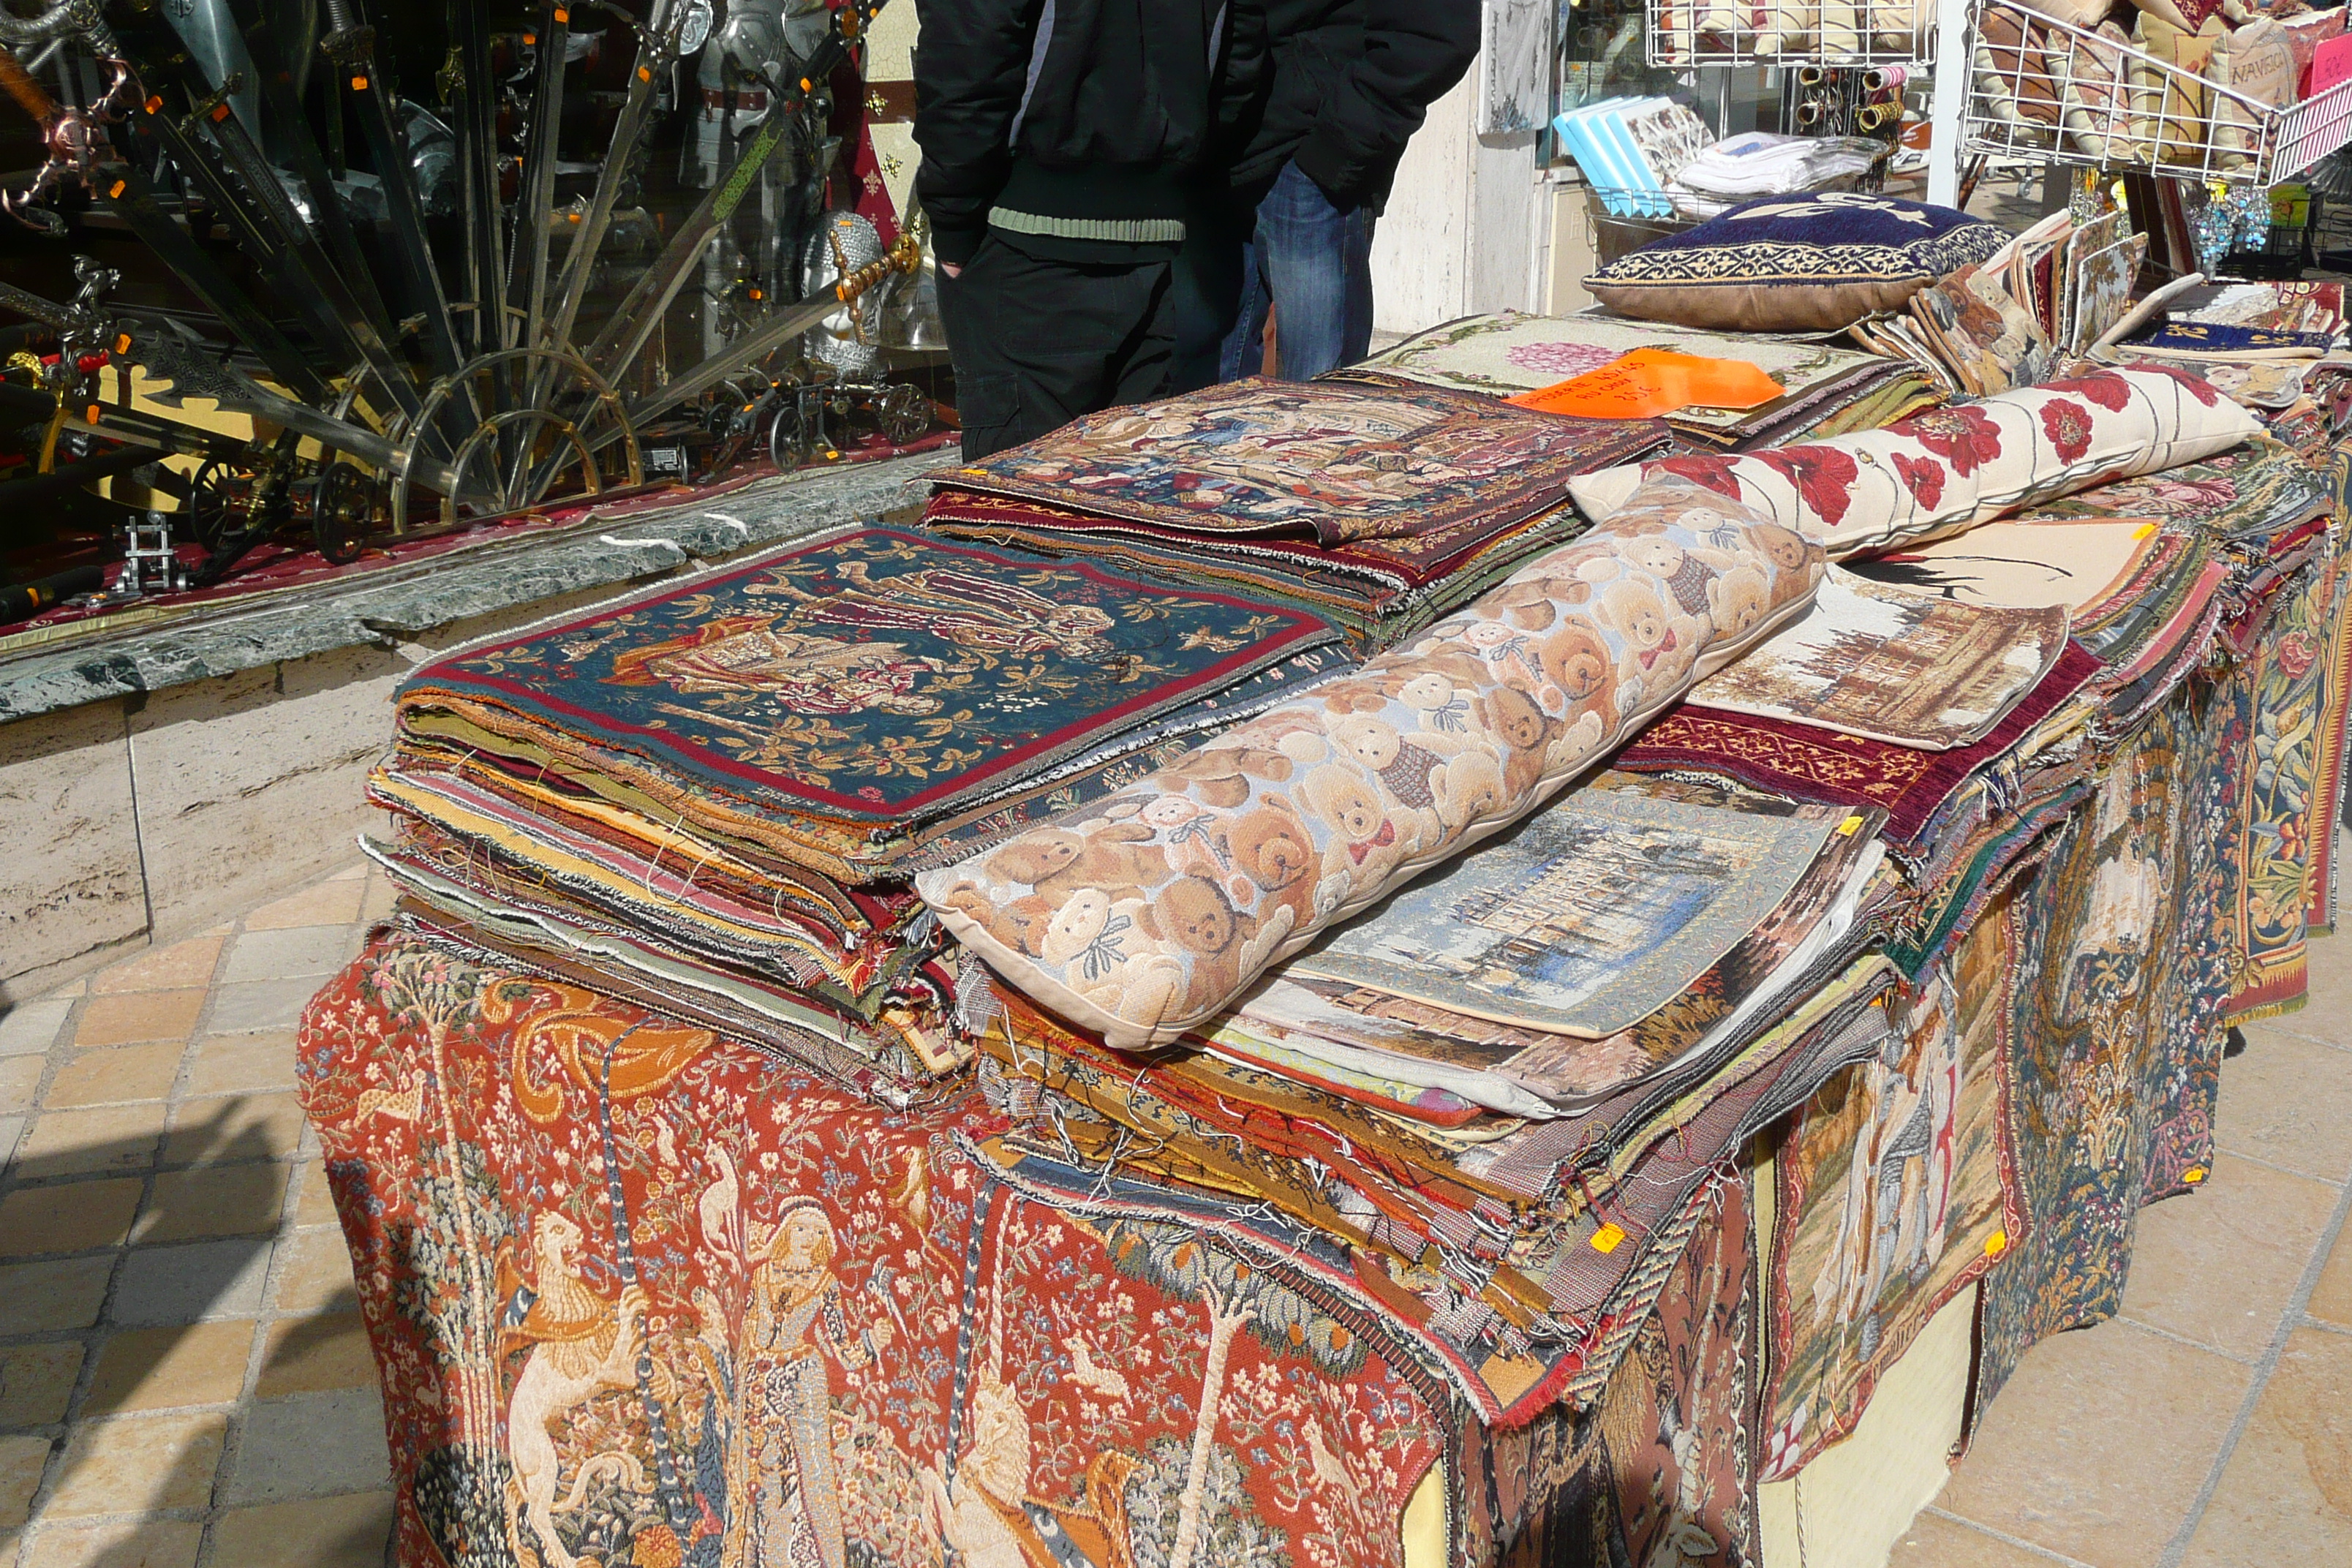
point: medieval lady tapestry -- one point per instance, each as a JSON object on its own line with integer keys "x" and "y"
{"x": 642, "y": 1297}
{"x": 1892, "y": 1197}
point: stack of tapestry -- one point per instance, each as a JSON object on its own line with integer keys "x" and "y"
{"x": 712, "y": 796}
{"x": 1379, "y": 507}
{"x": 1826, "y": 391}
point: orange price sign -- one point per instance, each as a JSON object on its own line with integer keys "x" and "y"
{"x": 1649, "y": 382}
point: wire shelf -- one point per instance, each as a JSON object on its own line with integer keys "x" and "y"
{"x": 2047, "y": 91}
{"x": 1840, "y": 32}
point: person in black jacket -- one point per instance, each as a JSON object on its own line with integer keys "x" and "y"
{"x": 1060, "y": 140}
{"x": 1344, "y": 85}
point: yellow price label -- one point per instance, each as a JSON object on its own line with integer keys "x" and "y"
{"x": 1608, "y": 1238}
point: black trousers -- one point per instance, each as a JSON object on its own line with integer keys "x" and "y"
{"x": 1037, "y": 342}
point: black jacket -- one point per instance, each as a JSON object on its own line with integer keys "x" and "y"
{"x": 1081, "y": 120}
{"x": 1346, "y": 84}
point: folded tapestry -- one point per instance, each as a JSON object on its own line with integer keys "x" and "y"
{"x": 1942, "y": 471}
{"x": 872, "y": 677}
{"x": 1584, "y": 920}
{"x": 1341, "y": 460}
{"x": 1888, "y": 664}
{"x": 1825, "y": 390}
{"x": 1149, "y": 911}
{"x": 1804, "y": 762}
{"x": 2074, "y": 565}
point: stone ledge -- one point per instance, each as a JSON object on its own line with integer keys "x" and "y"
{"x": 403, "y": 603}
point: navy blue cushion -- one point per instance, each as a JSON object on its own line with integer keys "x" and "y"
{"x": 1812, "y": 261}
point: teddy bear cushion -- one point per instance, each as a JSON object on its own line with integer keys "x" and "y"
{"x": 1952, "y": 468}
{"x": 1817, "y": 261}
{"x": 1148, "y": 912}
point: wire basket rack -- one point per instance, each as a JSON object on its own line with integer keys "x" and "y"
{"x": 2047, "y": 91}
{"x": 1841, "y": 32}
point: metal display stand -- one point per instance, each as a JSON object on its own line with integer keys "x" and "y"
{"x": 2064, "y": 95}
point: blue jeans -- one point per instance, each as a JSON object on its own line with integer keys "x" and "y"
{"x": 1290, "y": 252}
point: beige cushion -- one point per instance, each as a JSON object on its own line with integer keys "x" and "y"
{"x": 1147, "y": 913}
{"x": 1952, "y": 468}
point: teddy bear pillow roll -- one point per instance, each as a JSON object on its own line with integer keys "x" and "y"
{"x": 1952, "y": 468}
{"x": 1148, "y": 912}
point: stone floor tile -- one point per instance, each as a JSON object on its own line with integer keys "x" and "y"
{"x": 19, "y": 1077}
{"x": 185, "y": 1284}
{"x": 30, "y": 1028}
{"x": 310, "y": 1445}
{"x": 112, "y": 1076}
{"x": 144, "y": 1462}
{"x": 324, "y": 1532}
{"x": 2286, "y": 1496}
{"x": 148, "y": 1544}
{"x": 134, "y": 1016}
{"x": 382, "y": 898}
{"x": 2098, "y": 1444}
{"x": 316, "y": 1355}
{"x": 239, "y": 1064}
{"x": 2331, "y": 1298}
{"x": 317, "y": 1276}
{"x": 36, "y": 1382}
{"x": 213, "y": 1200}
{"x": 69, "y": 1216}
{"x": 234, "y": 1127}
{"x": 1936, "y": 1541}
{"x": 105, "y": 1138}
{"x": 333, "y": 903}
{"x": 317, "y": 1204}
{"x": 318, "y": 950}
{"x": 2287, "y": 1100}
{"x": 2328, "y": 1015}
{"x": 21, "y": 1461}
{"x": 2219, "y": 1264}
{"x": 261, "y": 1005}
{"x": 159, "y": 1369}
{"x": 64, "y": 1293}
{"x": 183, "y": 963}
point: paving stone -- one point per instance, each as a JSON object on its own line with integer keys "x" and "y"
{"x": 12, "y": 1128}
{"x": 113, "y": 1076}
{"x": 36, "y": 1382}
{"x": 148, "y": 1543}
{"x": 134, "y": 1016}
{"x": 2328, "y": 1016}
{"x": 185, "y": 1284}
{"x": 317, "y": 1204}
{"x": 2331, "y": 1298}
{"x": 1935, "y": 1541}
{"x": 2287, "y": 1495}
{"x": 2288, "y": 1101}
{"x": 317, "y": 1276}
{"x": 105, "y": 1138}
{"x": 183, "y": 963}
{"x": 19, "y": 1077}
{"x": 316, "y": 1355}
{"x": 318, "y": 949}
{"x": 30, "y": 1028}
{"x": 239, "y": 1064}
{"x": 158, "y": 1368}
{"x": 21, "y": 1462}
{"x": 144, "y": 1462}
{"x": 310, "y": 1445}
{"x": 347, "y": 1532}
{"x": 2098, "y": 1444}
{"x": 333, "y": 903}
{"x": 234, "y": 1127}
{"x": 261, "y": 1005}
{"x": 64, "y": 1293}
{"x": 214, "y": 1200}
{"x": 2219, "y": 1263}
{"x": 70, "y": 1216}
